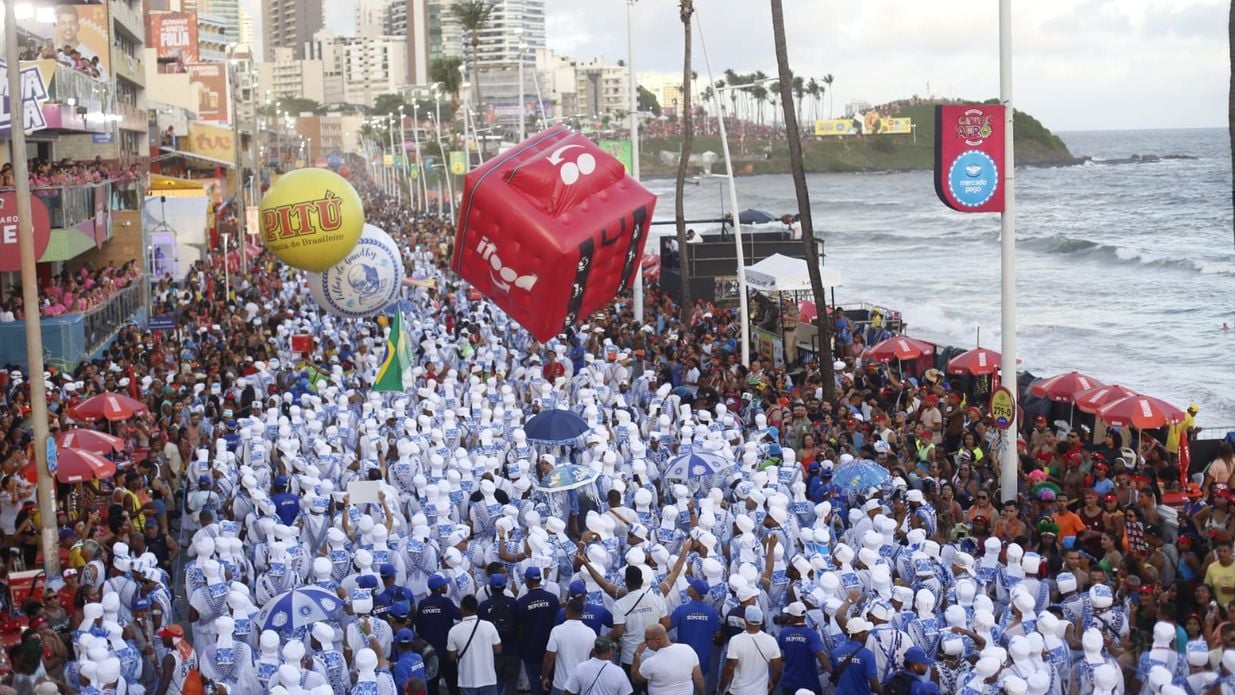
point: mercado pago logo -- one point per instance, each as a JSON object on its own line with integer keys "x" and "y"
{"x": 303, "y": 219}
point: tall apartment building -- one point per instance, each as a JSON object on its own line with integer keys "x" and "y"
{"x": 228, "y": 14}
{"x": 410, "y": 18}
{"x": 286, "y": 77}
{"x": 358, "y": 69}
{"x": 246, "y": 39}
{"x": 499, "y": 41}
{"x": 290, "y": 24}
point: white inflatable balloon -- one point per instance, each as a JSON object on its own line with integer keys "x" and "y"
{"x": 365, "y": 282}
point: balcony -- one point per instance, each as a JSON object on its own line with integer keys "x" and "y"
{"x": 129, "y": 13}
{"x": 128, "y": 66}
{"x": 75, "y": 101}
{"x": 79, "y": 221}
{"x": 70, "y": 339}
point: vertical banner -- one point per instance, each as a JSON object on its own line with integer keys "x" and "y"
{"x": 621, "y": 150}
{"x": 458, "y": 163}
{"x": 969, "y": 156}
{"x": 173, "y": 36}
{"x": 210, "y": 96}
{"x": 83, "y": 29}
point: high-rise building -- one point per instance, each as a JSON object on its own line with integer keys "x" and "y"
{"x": 514, "y": 24}
{"x": 247, "y": 43}
{"x": 410, "y": 18}
{"x": 228, "y": 13}
{"x": 358, "y": 70}
{"x": 371, "y": 16}
{"x": 290, "y": 24}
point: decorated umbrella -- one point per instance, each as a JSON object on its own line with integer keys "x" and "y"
{"x": 1063, "y": 387}
{"x": 899, "y": 347}
{"x": 555, "y": 427}
{"x": 568, "y": 477}
{"x": 75, "y": 466}
{"x": 90, "y": 440}
{"x": 860, "y": 474}
{"x": 978, "y": 362}
{"x": 694, "y": 465}
{"x": 1141, "y": 412}
{"x": 1092, "y": 400}
{"x": 108, "y": 406}
{"x": 298, "y": 608}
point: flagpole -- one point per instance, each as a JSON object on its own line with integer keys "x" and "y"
{"x": 1008, "y": 462}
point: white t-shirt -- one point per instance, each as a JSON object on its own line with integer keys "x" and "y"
{"x": 753, "y": 653}
{"x": 572, "y": 642}
{"x": 599, "y": 677}
{"x": 669, "y": 671}
{"x": 476, "y": 668}
{"x": 637, "y": 610}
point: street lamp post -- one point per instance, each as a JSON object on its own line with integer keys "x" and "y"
{"x": 446, "y": 172}
{"x": 420, "y": 162}
{"x": 407, "y": 169}
{"x": 30, "y": 301}
{"x": 522, "y": 124}
{"x": 737, "y": 222}
{"x": 634, "y": 138}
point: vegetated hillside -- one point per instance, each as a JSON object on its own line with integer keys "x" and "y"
{"x": 1035, "y": 145}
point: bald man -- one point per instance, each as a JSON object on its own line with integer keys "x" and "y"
{"x": 671, "y": 669}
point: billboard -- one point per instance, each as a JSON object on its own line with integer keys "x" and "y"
{"x": 173, "y": 36}
{"x": 81, "y": 28}
{"x": 34, "y": 93}
{"x": 896, "y": 126}
{"x": 208, "y": 81}
{"x": 212, "y": 141}
{"x": 621, "y": 150}
{"x": 969, "y": 156}
{"x": 835, "y": 126}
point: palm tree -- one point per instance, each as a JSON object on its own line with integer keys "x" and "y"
{"x": 686, "y": 9}
{"x": 473, "y": 16}
{"x": 794, "y": 136}
{"x": 827, "y": 81}
{"x": 445, "y": 71}
{"x": 812, "y": 90}
{"x": 799, "y": 90}
{"x": 773, "y": 100}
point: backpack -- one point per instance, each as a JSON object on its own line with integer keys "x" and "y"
{"x": 901, "y": 683}
{"x": 193, "y": 683}
{"x": 502, "y": 616}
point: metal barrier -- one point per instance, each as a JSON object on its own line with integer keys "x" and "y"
{"x": 102, "y": 322}
{"x": 69, "y": 206}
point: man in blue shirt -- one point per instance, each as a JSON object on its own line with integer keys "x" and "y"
{"x": 537, "y": 617}
{"x": 698, "y": 625}
{"x": 502, "y": 610}
{"x": 391, "y": 592}
{"x": 915, "y": 677}
{"x": 595, "y": 615}
{"x": 408, "y": 664}
{"x": 286, "y": 504}
{"x": 435, "y": 615}
{"x": 853, "y": 665}
{"x": 803, "y": 652}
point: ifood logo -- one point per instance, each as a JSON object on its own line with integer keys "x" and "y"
{"x": 501, "y": 275}
{"x": 570, "y": 172}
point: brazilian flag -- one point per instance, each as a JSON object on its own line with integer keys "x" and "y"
{"x": 395, "y": 374}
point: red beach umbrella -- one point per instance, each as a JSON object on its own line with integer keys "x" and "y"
{"x": 90, "y": 440}
{"x": 1142, "y": 412}
{"x": 108, "y": 406}
{"x": 899, "y": 348}
{"x": 1092, "y": 400}
{"x": 1062, "y": 387}
{"x": 978, "y": 362}
{"x": 75, "y": 466}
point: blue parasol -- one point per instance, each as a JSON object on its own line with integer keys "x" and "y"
{"x": 568, "y": 477}
{"x": 298, "y": 608}
{"x": 695, "y": 464}
{"x": 751, "y": 216}
{"x": 860, "y": 474}
{"x": 555, "y": 427}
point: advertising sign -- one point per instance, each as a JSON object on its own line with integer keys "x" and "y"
{"x": 771, "y": 347}
{"x": 34, "y": 93}
{"x": 1003, "y": 407}
{"x": 621, "y": 150}
{"x": 208, "y": 81}
{"x": 163, "y": 322}
{"x": 212, "y": 141}
{"x": 173, "y": 36}
{"x": 252, "y": 220}
{"x": 969, "y": 156}
{"x": 83, "y": 28}
{"x": 10, "y": 258}
{"x": 458, "y": 163}
{"x": 896, "y": 126}
{"x": 835, "y": 126}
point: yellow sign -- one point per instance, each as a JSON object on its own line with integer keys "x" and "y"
{"x": 835, "y": 126}
{"x": 896, "y": 126}
{"x": 311, "y": 219}
{"x": 388, "y": 160}
{"x": 212, "y": 141}
{"x": 771, "y": 347}
{"x": 458, "y": 163}
{"x": 1003, "y": 408}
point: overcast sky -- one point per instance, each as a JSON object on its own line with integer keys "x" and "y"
{"x": 1079, "y": 64}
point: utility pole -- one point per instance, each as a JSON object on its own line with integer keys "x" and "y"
{"x": 634, "y": 138}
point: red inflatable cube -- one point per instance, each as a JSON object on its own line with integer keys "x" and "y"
{"x": 551, "y": 230}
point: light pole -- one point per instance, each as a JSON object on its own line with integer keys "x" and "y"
{"x": 522, "y": 125}
{"x": 1008, "y": 462}
{"x": 737, "y": 222}
{"x": 446, "y": 172}
{"x": 420, "y": 162}
{"x": 30, "y": 301}
{"x": 634, "y": 138}
{"x": 407, "y": 169}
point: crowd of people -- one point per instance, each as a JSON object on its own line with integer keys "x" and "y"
{"x": 718, "y": 540}
{"x": 73, "y": 291}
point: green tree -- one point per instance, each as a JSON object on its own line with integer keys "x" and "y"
{"x": 474, "y": 16}
{"x": 386, "y": 104}
{"x": 686, "y": 9}
{"x": 799, "y": 91}
{"x": 794, "y": 137}
{"x": 445, "y": 71}
{"x": 813, "y": 91}
{"x": 296, "y": 106}
{"x": 827, "y": 90}
{"x": 648, "y": 101}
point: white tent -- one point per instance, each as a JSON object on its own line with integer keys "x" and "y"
{"x": 779, "y": 273}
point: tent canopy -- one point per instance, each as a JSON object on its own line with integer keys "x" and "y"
{"x": 779, "y": 273}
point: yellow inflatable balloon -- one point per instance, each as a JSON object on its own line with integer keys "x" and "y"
{"x": 311, "y": 219}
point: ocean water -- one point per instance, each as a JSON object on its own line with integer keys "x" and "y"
{"x": 1125, "y": 271}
